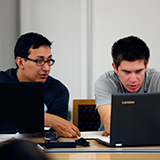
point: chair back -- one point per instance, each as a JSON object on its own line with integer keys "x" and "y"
{"x": 85, "y": 115}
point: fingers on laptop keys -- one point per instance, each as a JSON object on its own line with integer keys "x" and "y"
{"x": 105, "y": 133}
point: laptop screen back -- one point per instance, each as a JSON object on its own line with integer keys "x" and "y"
{"x": 21, "y": 107}
{"x": 135, "y": 119}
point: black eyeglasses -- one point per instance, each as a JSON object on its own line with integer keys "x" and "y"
{"x": 50, "y": 62}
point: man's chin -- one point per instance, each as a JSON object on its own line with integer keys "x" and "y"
{"x": 44, "y": 80}
{"x": 41, "y": 80}
{"x": 132, "y": 90}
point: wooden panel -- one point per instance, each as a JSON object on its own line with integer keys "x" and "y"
{"x": 76, "y": 104}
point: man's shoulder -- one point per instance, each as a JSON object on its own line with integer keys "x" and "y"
{"x": 8, "y": 75}
{"x": 107, "y": 76}
{"x": 52, "y": 80}
{"x": 151, "y": 73}
{"x": 152, "y": 80}
{"x": 55, "y": 83}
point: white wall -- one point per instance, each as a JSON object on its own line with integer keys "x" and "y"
{"x": 61, "y": 22}
{"x": 8, "y": 32}
{"x": 66, "y": 23}
{"x": 114, "y": 19}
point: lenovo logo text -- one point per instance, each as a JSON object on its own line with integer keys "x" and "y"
{"x": 128, "y": 102}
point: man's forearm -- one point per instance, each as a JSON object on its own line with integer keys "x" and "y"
{"x": 106, "y": 123}
{"x": 61, "y": 126}
{"x": 48, "y": 120}
{"x": 105, "y": 114}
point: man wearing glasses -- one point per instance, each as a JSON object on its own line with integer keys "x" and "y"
{"x": 34, "y": 60}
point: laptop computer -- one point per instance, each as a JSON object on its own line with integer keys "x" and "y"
{"x": 21, "y": 108}
{"x": 135, "y": 120}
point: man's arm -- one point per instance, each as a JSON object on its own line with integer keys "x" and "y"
{"x": 105, "y": 114}
{"x": 56, "y": 98}
{"x": 61, "y": 126}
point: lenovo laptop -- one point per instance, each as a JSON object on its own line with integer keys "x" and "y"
{"x": 135, "y": 120}
{"x": 21, "y": 108}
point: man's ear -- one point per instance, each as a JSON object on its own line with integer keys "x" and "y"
{"x": 19, "y": 61}
{"x": 146, "y": 66}
{"x": 114, "y": 67}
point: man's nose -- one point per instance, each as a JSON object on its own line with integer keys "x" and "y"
{"x": 133, "y": 77}
{"x": 46, "y": 67}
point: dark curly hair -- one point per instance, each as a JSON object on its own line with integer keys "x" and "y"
{"x": 130, "y": 49}
{"x": 27, "y": 41}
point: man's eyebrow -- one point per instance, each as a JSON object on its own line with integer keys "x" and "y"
{"x": 43, "y": 56}
{"x": 140, "y": 69}
{"x": 125, "y": 70}
{"x": 129, "y": 71}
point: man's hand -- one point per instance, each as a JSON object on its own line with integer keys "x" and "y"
{"x": 61, "y": 126}
{"x": 105, "y": 134}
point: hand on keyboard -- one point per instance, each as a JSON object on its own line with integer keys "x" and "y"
{"x": 105, "y": 134}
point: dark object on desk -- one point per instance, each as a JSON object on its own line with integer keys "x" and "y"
{"x": 85, "y": 116}
{"x": 20, "y": 150}
{"x": 82, "y": 142}
{"x": 51, "y": 136}
{"x": 135, "y": 120}
{"x": 21, "y": 107}
{"x": 51, "y": 141}
{"x": 64, "y": 144}
{"x": 61, "y": 144}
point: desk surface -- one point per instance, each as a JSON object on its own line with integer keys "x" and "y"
{"x": 104, "y": 153}
{"x": 97, "y": 151}
{"x": 103, "y": 156}
{"x": 96, "y": 147}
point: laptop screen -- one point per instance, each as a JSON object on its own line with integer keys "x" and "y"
{"x": 135, "y": 119}
{"x": 21, "y": 107}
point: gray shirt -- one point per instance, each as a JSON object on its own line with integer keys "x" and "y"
{"x": 109, "y": 83}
